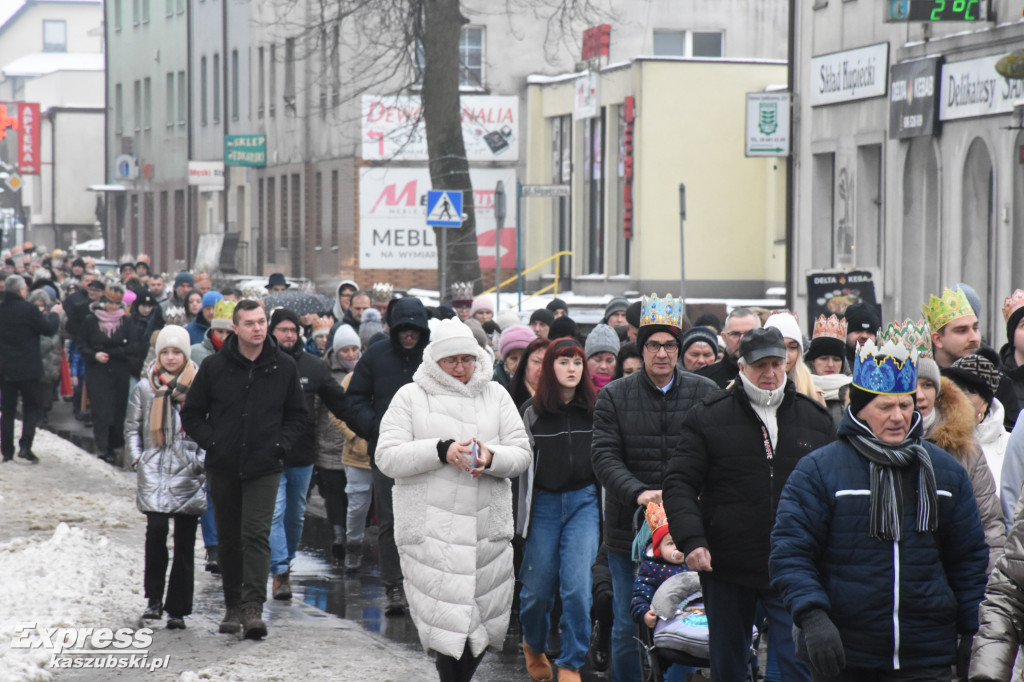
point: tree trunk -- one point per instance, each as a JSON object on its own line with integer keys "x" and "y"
{"x": 446, "y": 149}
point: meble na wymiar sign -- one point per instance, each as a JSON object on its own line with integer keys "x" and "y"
{"x": 245, "y": 150}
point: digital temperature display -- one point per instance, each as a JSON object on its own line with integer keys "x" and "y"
{"x": 937, "y": 10}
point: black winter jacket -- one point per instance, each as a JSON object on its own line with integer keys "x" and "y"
{"x": 722, "y": 489}
{"x": 721, "y": 372}
{"x": 384, "y": 368}
{"x": 246, "y": 414}
{"x": 636, "y": 432}
{"x": 21, "y": 325}
{"x": 317, "y": 382}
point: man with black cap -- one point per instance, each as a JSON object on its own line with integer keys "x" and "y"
{"x": 637, "y": 422}
{"x": 277, "y": 283}
{"x": 77, "y": 268}
{"x": 735, "y": 452}
{"x": 737, "y": 323}
{"x": 862, "y": 323}
{"x": 541, "y": 321}
{"x": 558, "y": 308}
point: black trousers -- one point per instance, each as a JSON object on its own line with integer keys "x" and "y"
{"x": 390, "y": 568}
{"x": 331, "y": 484}
{"x": 32, "y": 412}
{"x": 178, "y": 602}
{"x": 243, "y": 510}
{"x": 934, "y": 673}
{"x": 457, "y": 669}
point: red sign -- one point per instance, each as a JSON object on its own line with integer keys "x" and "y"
{"x": 629, "y": 113}
{"x": 596, "y": 40}
{"x": 23, "y": 117}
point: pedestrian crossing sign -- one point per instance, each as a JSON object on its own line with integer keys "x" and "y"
{"x": 444, "y": 208}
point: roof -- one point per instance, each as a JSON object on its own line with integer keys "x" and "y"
{"x": 9, "y": 9}
{"x": 42, "y": 63}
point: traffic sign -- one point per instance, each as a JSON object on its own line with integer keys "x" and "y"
{"x": 444, "y": 208}
{"x": 14, "y": 183}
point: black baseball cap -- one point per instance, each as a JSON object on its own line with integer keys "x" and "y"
{"x": 758, "y": 343}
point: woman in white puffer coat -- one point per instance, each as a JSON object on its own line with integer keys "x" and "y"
{"x": 453, "y": 516}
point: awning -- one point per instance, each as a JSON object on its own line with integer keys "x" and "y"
{"x": 107, "y": 188}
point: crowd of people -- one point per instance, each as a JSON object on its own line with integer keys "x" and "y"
{"x": 855, "y": 491}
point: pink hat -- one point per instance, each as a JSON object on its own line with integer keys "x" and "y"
{"x": 516, "y": 337}
{"x": 485, "y": 302}
{"x": 129, "y": 297}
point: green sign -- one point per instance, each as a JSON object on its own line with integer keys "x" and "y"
{"x": 245, "y": 150}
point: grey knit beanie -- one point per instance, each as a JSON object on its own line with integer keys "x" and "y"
{"x": 602, "y": 338}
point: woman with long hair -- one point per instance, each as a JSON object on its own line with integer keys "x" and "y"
{"x": 559, "y": 512}
{"x": 796, "y": 370}
{"x": 524, "y": 381}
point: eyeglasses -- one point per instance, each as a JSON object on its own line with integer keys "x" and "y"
{"x": 449, "y": 363}
{"x": 733, "y": 335}
{"x": 669, "y": 346}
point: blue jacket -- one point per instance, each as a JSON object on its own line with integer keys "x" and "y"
{"x": 896, "y": 605}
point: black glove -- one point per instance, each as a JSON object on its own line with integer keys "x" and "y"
{"x": 824, "y": 646}
{"x": 963, "y": 655}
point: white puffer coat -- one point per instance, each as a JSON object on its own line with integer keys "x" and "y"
{"x": 453, "y": 531}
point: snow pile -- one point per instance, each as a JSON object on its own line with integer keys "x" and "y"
{"x": 73, "y": 578}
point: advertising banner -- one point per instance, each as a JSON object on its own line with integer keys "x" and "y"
{"x": 830, "y": 292}
{"x": 393, "y": 232}
{"x": 849, "y": 75}
{"x": 245, "y": 150}
{"x": 23, "y": 119}
{"x": 912, "y": 98}
{"x": 973, "y": 88}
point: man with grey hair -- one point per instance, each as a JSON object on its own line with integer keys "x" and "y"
{"x": 21, "y": 365}
{"x": 737, "y": 323}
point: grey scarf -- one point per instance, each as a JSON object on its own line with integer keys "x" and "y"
{"x": 886, "y": 482}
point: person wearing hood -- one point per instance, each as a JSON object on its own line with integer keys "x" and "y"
{"x": 736, "y": 450}
{"x": 602, "y": 349}
{"x": 318, "y": 385}
{"x": 346, "y": 288}
{"x": 1011, "y": 355}
{"x": 385, "y": 367}
{"x": 452, "y": 439}
{"x": 826, "y": 357}
{"x": 359, "y": 304}
{"x": 979, "y": 379}
{"x": 246, "y": 410}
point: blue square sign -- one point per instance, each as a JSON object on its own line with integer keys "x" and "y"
{"x": 444, "y": 208}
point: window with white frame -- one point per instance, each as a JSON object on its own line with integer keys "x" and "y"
{"x": 471, "y": 59}
{"x": 674, "y": 43}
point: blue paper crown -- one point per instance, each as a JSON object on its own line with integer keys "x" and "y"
{"x": 667, "y": 311}
{"x": 889, "y": 370}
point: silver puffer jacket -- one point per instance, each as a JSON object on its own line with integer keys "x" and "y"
{"x": 1001, "y": 614}
{"x": 170, "y": 477}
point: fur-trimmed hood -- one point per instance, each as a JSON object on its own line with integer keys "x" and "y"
{"x": 954, "y": 429}
{"x": 435, "y": 381}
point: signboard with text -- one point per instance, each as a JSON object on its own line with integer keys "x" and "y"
{"x": 206, "y": 173}
{"x": 767, "y": 124}
{"x": 912, "y": 100}
{"x": 22, "y": 119}
{"x": 393, "y": 233}
{"x": 393, "y": 128}
{"x": 850, "y": 75}
{"x": 973, "y": 88}
{"x": 831, "y": 292}
{"x": 245, "y": 150}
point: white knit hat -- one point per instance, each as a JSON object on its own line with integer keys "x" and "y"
{"x": 345, "y": 336}
{"x": 174, "y": 336}
{"x": 451, "y": 337}
{"x": 788, "y": 326}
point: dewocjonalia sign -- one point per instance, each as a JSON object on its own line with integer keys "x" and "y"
{"x": 393, "y": 231}
{"x": 973, "y": 88}
{"x": 849, "y": 75}
{"x": 393, "y": 128}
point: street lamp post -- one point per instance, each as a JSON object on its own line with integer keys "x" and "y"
{"x": 499, "y": 219}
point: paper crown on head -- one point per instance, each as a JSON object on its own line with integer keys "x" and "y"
{"x": 913, "y": 335}
{"x": 940, "y": 311}
{"x": 831, "y": 327}
{"x": 462, "y": 292}
{"x": 381, "y": 292}
{"x": 1012, "y": 304}
{"x": 223, "y": 312}
{"x": 889, "y": 368}
{"x": 657, "y": 523}
{"x": 667, "y": 311}
{"x": 322, "y": 325}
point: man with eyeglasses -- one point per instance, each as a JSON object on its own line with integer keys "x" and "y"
{"x": 637, "y": 422}
{"x": 735, "y": 452}
{"x": 737, "y": 323}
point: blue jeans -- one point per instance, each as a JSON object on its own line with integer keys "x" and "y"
{"x": 207, "y": 523}
{"x": 625, "y": 648}
{"x": 289, "y": 513}
{"x": 730, "y": 611}
{"x": 560, "y": 548}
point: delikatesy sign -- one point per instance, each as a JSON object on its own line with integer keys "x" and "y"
{"x": 850, "y": 75}
{"x": 973, "y": 88}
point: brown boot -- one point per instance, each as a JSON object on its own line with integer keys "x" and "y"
{"x": 232, "y": 623}
{"x": 537, "y": 665}
{"x": 566, "y": 675}
{"x": 252, "y": 622}
{"x": 282, "y": 586}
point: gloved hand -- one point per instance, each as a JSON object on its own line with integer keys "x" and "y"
{"x": 824, "y": 646}
{"x": 963, "y": 655}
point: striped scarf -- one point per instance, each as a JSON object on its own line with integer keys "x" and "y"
{"x": 886, "y": 482}
{"x": 169, "y": 391}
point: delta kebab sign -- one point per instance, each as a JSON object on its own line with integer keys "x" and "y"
{"x": 23, "y": 119}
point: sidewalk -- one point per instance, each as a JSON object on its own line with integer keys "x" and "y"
{"x": 71, "y": 556}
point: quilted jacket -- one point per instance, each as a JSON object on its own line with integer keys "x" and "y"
{"x": 454, "y": 531}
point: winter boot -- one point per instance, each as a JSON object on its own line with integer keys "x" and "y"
{"x": 155, "y": 611}
{"x": 537, "y": 665}
{"x": 232, "y": 623}
{"x": 353, "y": 557}
{"x": 252, "y": 622}
{"x": 338, "y": 545}
{"x": 566, "y": 675}
{"x": 212, "y": 560}
{"x": 396, "y": 604}
{"x": 175, "y": 623}
{"x": 27, "y": 454}
{"x": 282, "y": 587}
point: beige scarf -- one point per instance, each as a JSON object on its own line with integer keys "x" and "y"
{"x": 169, "y": 390}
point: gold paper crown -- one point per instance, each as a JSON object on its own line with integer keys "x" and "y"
{"x": 831, "y": 327}
{"x": 912, "y": 335}
{"x": 381, "y": 292}
{"x": 322, "y": 323}
{"x": 667, "y": 311}
{"x": 223, "y": 309}
{"x": 941, "y": 311}
{"x": 1012, "y": 304}
{"x": 655, "y": 514}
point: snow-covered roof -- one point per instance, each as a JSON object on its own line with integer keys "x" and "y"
{"x": 42, "y": 63}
